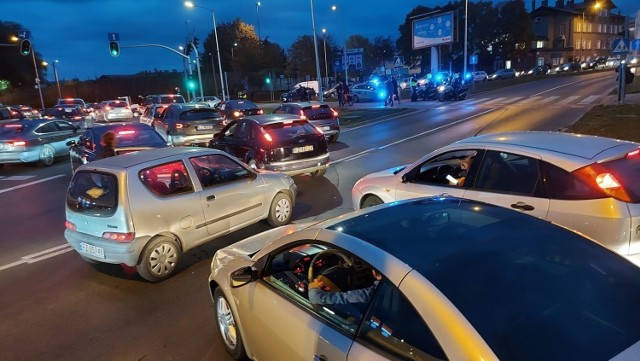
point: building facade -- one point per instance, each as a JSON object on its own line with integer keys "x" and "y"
{"x": 574, "y": 32}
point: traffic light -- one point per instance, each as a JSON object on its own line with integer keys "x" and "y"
{"x": 114, "y": 48}
{"x": 267, "y": 80}
{"x": 25, "y": 47}
{"x": 187, "y": 49}
{"x": 191, "y": 83}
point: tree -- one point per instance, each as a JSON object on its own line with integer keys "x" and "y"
{"x": 382, "y": 50}
{"x": 515, "y": 24}
{"x": 15, "y": 68}
{"x": 301, "y": 57}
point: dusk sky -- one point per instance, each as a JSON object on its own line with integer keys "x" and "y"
{"x": 75, "y": 32}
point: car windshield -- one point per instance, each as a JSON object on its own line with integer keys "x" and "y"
{"x": 520, "y": 282}
{"x": 61, "y": 111}
{"x": 199, "y": 114}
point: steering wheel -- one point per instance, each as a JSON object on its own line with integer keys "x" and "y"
{"x": 325, "y": 253}
{"x": 209, "y": 175}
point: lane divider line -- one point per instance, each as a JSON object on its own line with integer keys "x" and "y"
{"x": 31, "y": 183}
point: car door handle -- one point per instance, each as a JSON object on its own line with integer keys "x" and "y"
{"x": 522, "y": 206}
{"x": 211, "y": 197}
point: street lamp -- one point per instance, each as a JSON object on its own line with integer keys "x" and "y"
{"x": 583, "y": 27}
{"x": 258, "y": 4}
{"x": 55, "y": 74}
{"x": 344, "y": 49}
{"x": 190, "y": 4}
{"x": 315, "y": 49}
{"x": 213, "y": 73}
{"x": 233, "y": 58}
{"x": 326, "y": 67}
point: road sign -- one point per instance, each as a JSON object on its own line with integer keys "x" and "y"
{"x": 113, "y": 36}
{"x": 398, "y": 61}
{"x": 621, "y": 46}
{"x": 24, "y": 34}
{"x": 635, "y": 44}
{"x": 473, "y": 59}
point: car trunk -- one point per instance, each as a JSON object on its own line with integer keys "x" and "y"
{"x": 199, "y": 121}
{"x": 295, "y": 141}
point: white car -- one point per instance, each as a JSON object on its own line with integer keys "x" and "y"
{"x": 211, "y": 100}
{"x": 480, "y": 75}
{"x": 585, "y": 183}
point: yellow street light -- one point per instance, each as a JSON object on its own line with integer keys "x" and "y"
{"x": 596, "y": 6}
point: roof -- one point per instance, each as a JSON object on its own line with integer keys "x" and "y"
{"x": 273, "y": 118}
{"x": 577, "y": 145}
{"x": 132, "y": 159}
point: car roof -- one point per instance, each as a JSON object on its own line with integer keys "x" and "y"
{"x": 157, "y": 154}
{"x": 555, "y": 144}
{"x": 103, "y": 128}
{"x": 307, "y": 104}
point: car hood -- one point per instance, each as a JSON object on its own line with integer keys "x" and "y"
{"x": 386, "y": 173}
{"x": 250, "y": 246}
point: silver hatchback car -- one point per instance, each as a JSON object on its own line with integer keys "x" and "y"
{"x": 146, "y": 209}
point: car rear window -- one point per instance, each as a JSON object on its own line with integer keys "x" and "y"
{"x": 290, "y": 130}
{"x": 244, "y": 104}
{"x": 199, "y": 114}
{"x": 318, "y": 112}
{"x": 93, "y": 193}
{"x": 118, "y": 104}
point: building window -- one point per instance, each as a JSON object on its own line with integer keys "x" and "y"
{"x": 538, "y": 19}
{"x": 539, "y": 44}
{"x": 588, "y": 44}
{"x": 577, "y": 44}
{"x": 598, "y": 44}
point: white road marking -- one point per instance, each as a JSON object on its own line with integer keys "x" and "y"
{"x": 549, "y": 99}
{"x": 18, "y": 177}
{"x": 31, "y": 183}
{"x": 589, "y": 99}
{"x": 569, "y": 99}
{"x": 39, "y": 256}
{"x": 529, "y": 100}
{"x": 511, "y": 100}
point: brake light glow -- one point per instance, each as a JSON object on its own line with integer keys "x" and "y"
{"x": 236, "y": 114}
{"x": 260, "y": 112}
{"x": 607, "y": 181}
{"x": 633, "y": 153}
{"x": 302, "y": 115}
{"x": 119, "y": 237}
{"x": 335, "y": 114}
{"x": 71, "y": 226}
{"x": 17, "y": 143}
{"x": 319, "y": 131}
{"x": 13, "y": 126}
{"x": 179, "y": 125}
{"x": 126, "y": 132}
{"x": 266, "y": 135}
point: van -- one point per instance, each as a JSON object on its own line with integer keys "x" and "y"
{"x": 309, "y": 84}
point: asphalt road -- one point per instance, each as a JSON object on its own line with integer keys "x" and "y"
{"x": 54, "y": 306}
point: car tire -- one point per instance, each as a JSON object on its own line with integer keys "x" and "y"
{"x": 46, "y": 156}
{"x": 355, "y": 98}
{"x": 334, "y": 138}
{"x": 371, "y": 201}
{"x": 159, "y": 259}
{"x": 281, "y": 210}
{"x": 229, "y": 331}
{"x": 319, "y": 172}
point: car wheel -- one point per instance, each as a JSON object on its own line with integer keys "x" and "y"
{"x": 334, "y": 138}
{"x": 227, "y": 326}
{"x": 371, "y": 201}
{"x": 159, "y": 259}
{"x": 355, "y": 98}
{"x": 47, "y": 155}
{"x": 319, "y": 172}
{"x": 280, "y": 211}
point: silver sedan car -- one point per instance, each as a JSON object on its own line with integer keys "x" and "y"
{"x": 35, "y": 140}
{"x": 427, "y": 279}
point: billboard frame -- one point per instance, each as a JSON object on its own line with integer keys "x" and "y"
{"x": 434, "y": 30}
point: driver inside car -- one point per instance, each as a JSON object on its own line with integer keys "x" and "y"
{"x": 322, "y": 292}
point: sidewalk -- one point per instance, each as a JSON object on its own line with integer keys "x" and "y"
{"x": 633, "y": 98}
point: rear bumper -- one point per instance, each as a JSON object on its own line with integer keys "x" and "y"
{"x": 114, "y": 253}
{"x": 301, "y": 166}
{"x": 197, "y": 139}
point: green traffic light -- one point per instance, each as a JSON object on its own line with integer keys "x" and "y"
{"x": 267, "y": 80}
{"x": 25, "y": 47}
{"x": 191, "y": 84}
{"x": 114, "y": 48}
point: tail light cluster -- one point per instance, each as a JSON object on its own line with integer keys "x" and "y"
{"x": 600, "y": 178}
{"x": 266, "y": 135}
{"x": 112, "y": 236}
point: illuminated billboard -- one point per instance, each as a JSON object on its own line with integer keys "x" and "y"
{"x": 432, "y": 31}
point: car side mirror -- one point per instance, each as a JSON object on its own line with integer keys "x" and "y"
{"x": 243, "y": 276}
{"x": 71, "y": 143}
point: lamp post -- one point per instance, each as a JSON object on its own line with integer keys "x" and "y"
{"x": 190, "y": 4}
{"x": 315, "y": 49}
{"x": 35, "y": 66}
{"x": 213, "y": 73}
{"x": 55, "y": 74}
{"x": 583, "y": 27}
{"x": 326, "y": 66}
{"x": 258, "y": 4}
{"x": 466, "y": 30}
{"x": 344, "y": 48}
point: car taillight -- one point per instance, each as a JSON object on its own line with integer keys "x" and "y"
{"x": 260, "y": 112}
{"x": 266, "y": 135}
{"x": 119, "y": 237}
{"x": 599, "y": 177}
{"x": 319, "y": 131}
{"x": 182, "y": 125}
{"x": 633, "y": 153}
{"x": 71, "y": 226}
{"x": 335, "y": 114}
{"x": 302, "y": 115}
{"x": 107, "y": 108}
{"x": 236, "y": 114}
{"x": 126, "y": 132}
{"x": 17, "y": 143}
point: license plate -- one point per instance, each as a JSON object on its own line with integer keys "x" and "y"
{"x": 306, "y": 148}
{"x": 204, "y": 127}
{"x": 326, "y": 128}
{"x": 92, "y": 250}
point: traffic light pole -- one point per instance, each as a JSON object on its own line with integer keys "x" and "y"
{"x": 195, "y": 49}
{"x": 35, "y": 67}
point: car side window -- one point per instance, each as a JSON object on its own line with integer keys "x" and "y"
{"x": 218, "y": 169}
{"x": 66, "y": 126}
{"x": 166, "y": 179}
{"x": 510, "y": 173}
{"x": 231, "y": 130}
{"x": 393, "y": 325}
{"x": 47, "y": 128}
{"x": 561, "y": 184}
{"x": 448, "y": 169}
{"x": 328, "y": 282}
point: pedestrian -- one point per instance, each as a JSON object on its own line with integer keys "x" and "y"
{"x": 108, "y": 143}
{"x": 339, "y": 89}
{"x": 413, "y": 83}
{"x": 345, "y": 92}
{"x": 396, "y": 92}
{"x": 389, "y": 86}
